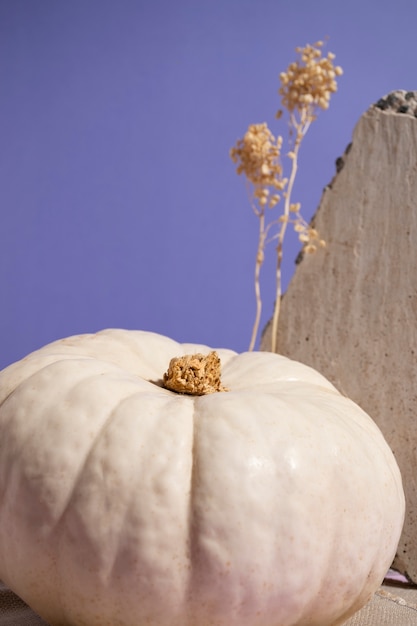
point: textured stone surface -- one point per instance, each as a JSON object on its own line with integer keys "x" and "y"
{"x": 351, "y": 309}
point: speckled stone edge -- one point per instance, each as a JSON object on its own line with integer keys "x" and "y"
{"x": 399, "y": 101}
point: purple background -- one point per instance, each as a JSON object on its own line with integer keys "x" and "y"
{"x": 119, "y": 204}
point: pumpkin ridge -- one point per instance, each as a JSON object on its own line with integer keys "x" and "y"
{"x": 98, "y": 435}
{"x": 192, "y": 522}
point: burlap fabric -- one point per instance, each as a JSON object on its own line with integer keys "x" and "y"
{"x": 14, "y": 612}
{"x": 391, "y": 606}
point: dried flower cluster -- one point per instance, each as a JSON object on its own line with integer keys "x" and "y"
{"x": 306, "y": 86}
{"x": 310, "y": 81}
{"x": 258, "y": 156}
{"x": 307, "y": 235}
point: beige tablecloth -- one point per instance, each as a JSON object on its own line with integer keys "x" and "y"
{"x": 391, "y": 606}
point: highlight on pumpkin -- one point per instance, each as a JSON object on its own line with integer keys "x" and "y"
{"x": 306, "y": 87}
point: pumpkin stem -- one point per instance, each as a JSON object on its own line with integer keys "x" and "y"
{"x": 194, "y": 374}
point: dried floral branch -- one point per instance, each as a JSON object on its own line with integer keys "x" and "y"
{"x": 258, "y": 156}
{"x": 306, "y": 87}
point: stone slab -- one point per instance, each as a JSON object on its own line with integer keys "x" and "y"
{"x": 351, "y": 309}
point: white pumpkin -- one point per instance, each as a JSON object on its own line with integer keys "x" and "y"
{"x": 274, "y": 503}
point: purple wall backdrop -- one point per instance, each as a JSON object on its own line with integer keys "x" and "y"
{"x": 119, "y": 204}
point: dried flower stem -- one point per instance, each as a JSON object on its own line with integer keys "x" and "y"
{"x": 302, "y": 128}
{"x": 258, "y": 264}
{"x": 306, "y": 86}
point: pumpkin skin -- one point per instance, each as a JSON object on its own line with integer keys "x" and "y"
{"x": 275, "y": 503}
